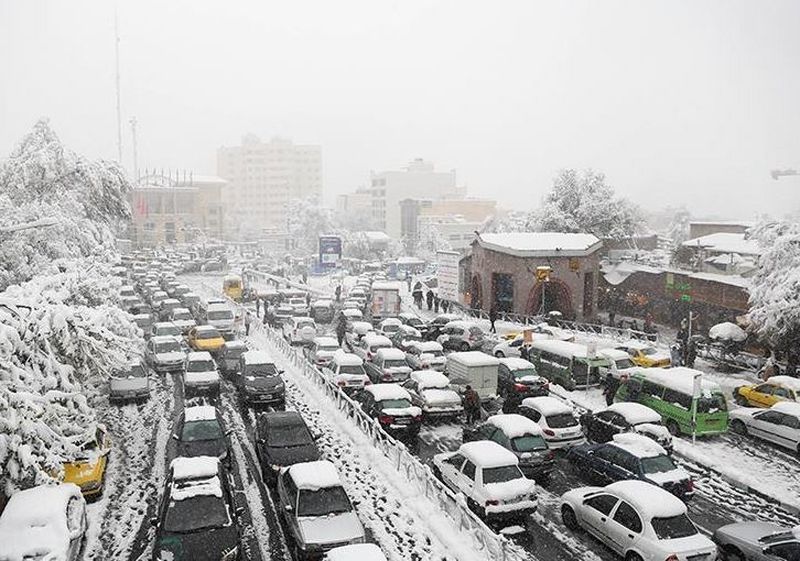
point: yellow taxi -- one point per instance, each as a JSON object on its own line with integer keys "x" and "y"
{"x": 767, "y": 394}
{"x": 88, "y": 469}
{"x": 645, "y": 355}
{"x": 205, "y": 338}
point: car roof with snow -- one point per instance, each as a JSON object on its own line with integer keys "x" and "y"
{"x": 326, "y": 342}
{"x": 679, "y": 378}
{"x": 352, "y": 312}
{"x": 200, "y": 413}
{"x": 473, "y": 358}
{"x": 372, "y": 339}
{"x": 198, "y": 355}
{"x": 410, "y": 330}
{"x": 165, "y": 339}
{"x": 514, "y": 425}
{"x": 635, "y": 413}
{"x": 429, "y": 379}
{"x": 344, "y": 358}
{"x": 487, "y": 454}
{"x": 786, "y": 381}
{"x": 322, "y": 303}
{"x": 390, "y": 353}
{"x": 788, "y": 407}
{"x": 205, "y": 329}
{"x": 198, "y": 467}
{"x": 257, "y": 357}
{"x": 636, "y": 344}
{"x": 356, "y": 552}
{"x": 462, "y": 324}
{"x": 362, "y": 327}
{"x": 563, "y": 348}
{"x": 613, "y": 354}
{"x": 235, "y": 344}
{"x": 383, "y": 392}
{"x": 547, "y": 405}
{"x": 312, "y": 476}
{"x": 427, "y": 346}
{"x": 638, "y": 445}
{"x": 649, "y": 500}
{"x": 515, "y": 363}
{"x": 170, "y": 301}
{"x": 158, "y": 324}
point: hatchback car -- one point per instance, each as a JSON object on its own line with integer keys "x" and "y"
{"x": 228, "y": 357}
{"x": 282, "y": 440}
{"x": 205, "y": 338}
{"x": 321, "y": 350}
{"x": 347, "y": 371}
{"x": 758, "y": 541}
{"x": 318, "y": 512}
{"x": 516, "y": 380}
{"x": 412, "y": 320}
{"x": 405, "y": 336}
{"x": 391, "y": 405}
{"x": 425, "y": 355}
{"x": 560, "y": 427}
{"x": 387, "y": 365}
{"x": 200, "y": 376}
{"x": 299, "y": 330}
{"x": 129, "y": 383}
{"x": 259, "y": 380}
{"x": 199, "y": 431}
{"x": 165, "y": 328}
{"x": 767, "y": 394}
{"x": 182, "y": 319}
{"x": 431, "y": 392}
{"x": 88, "y": 469}
{"x": 623, "y": 417}
{"x": 645, "y": 354}
{"x": 389, "y": 326}
{"x": 369, "y": 345}
{"x": 461, "y": 336}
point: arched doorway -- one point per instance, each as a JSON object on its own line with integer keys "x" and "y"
{"x": 556, "y": 298}
{"x": 476, "y": 294}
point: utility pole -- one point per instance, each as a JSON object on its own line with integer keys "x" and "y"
{"x": 119, "y": 109}
{"x": 135, "y": 152}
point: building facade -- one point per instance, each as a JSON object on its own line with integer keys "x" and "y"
{"x": 502, "y": 273}
{"x": 453, "y": 219}
{"x": 355, "y": 209}
{"x": 264, "y": 176}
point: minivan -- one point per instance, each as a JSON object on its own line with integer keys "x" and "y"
{"x": 567, "y": 364}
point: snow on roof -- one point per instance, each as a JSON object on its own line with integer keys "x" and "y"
{"x": 200, "y": 413}
{"x": 352, "y": 312}
{"x": 788, "y": 381}
{"x": 789, "y": 407}
{"x": 326, "y": 341}
{"x": 649, "y": 500}
{"x": 613, "y": 354}
{"x": 199, "y": 355}
{"x": 322, "y": 303}
{"x": 34, "y": 522}
{"x": 427, "y": 346}
{"x": 516, "y": 363}
{"x": 205, "y": 329}
{"x": 514, "y": 425}
{"x": 194, "y": 468}
{"x": 163, "y": 324}
{"x": 347, "y": 359}
{"x": 473, "y": 358}
{"x": 312, "y": 476}
{"x": 547, "y": 405}
{"x": 637, "y": 344}
{"x": 635, "y": 413}
{"x": 680, "y": 379}
{"x": 391, "y": 353}
{"x": 235, "y": 344}
{"x": 563, "y": 348}
{"x": 357, "y": 552}
{"x": 426, "y": 379}
{"x": 725, "y": 242}
{"x": 164, "y": 339}
{"x": 727, "y": 331}
{"x": 487, "y": 454}
{"x": 391, "y": 321}
{"x": 385, "y": 286}
{"x": 257, "y": 357}
{"x": 639, "y": 445}
{"x": 383, "y": 392}
{"x": 373, "y": 339}
{"x": 536, "y": 244}
{"x": 362, "y": 327}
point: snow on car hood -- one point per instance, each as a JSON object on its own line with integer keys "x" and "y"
{"x": 201, "y": 377}
{"x": 510, "y": 489}
{"x": 174, "y": 356}
{"x": 529, "y": 379}
{"x": 403, "y": 411}
{"x": 690, "y": 545}
{"x": 334, "y": 528}
{"x": 672, "y": 476}
{"x": 436, "y": 396}
{"x": 128, "y": 383}
{"x": 657, "y": 432}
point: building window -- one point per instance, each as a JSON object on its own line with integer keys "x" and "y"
{"x": 503, "y": 292}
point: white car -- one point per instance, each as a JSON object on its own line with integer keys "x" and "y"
{"x": 389, "y": 326}
{"x": 621, "y": 368}
{"x": 182, "y": 319}
{"x": 508, "y": 348}
{"x": 165, "y": 329}
{"x": 221, "y": 317}
{"x": 490, "y": 478}
{"x": 347, "y": 371}
{"x": 426, "y": 355}
{"x": 299, "y": 330}
{"x": 370, "y": 344}
{"x": 44, "y": 522}
{"x": 637, "y": 520}
{"x": 321, "y": 350}
{"x": 299, "y": 304}
{"x": 130, "y": 382}
{"x": 200, "y": 375}
{"x": 780, "y": 424}
{"x": 357, "y": 552}
{"x": 431, "y": 392}
{"x": 356, "y": 332}
{"x": 560, "y": 428}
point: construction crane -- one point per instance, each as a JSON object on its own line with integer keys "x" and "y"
{"x": 777, "y": 173}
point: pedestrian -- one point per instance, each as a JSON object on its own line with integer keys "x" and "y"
{"x": 472, "y": 405}
{"x": 408, "y": 280}
{"x": 492, "y": 319}
{"x": 436, "y": 303}
{"x": 308, "y": 298}
{"x": 691, "y": 353}
{"x": 338, "y": 292}
{"x": 417, "y": 295}
{"x": 429, "y": 299}
{"x": 610, "y": 389}
{"x": 445, "y": 306}
{"x": 675, "y": 354}
{"x": 611, "y": 315}
{"x": 246, "y": 323}
{"x": 341, "y": 328}
{"x": 258, "y": 306}
{"x": 524, "y": 351}
{"x": 265, "y": 319}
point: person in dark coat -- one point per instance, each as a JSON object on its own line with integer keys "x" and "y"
{"x": 258, "y": 306}
{"x": 436, "y": 302}
{"x": 429, "y": 299}
{"x": 247, "y": 321}
{"x": 417, "y": 295}
{"x": 472, "y": 405}
{"x": 338, "y": 292}
{"x": 341, "y": 329}
{"x": 492, "y": 319}
{"x": 445, "y": 306}
{"x": 610, "y": 389}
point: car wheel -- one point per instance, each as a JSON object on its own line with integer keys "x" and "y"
{"x": 732, "y": 553}
{"x": 631, "y": 556}
{"x": 673, "y": 428}
{"x": 568, "y": 518}
{"x": 464, "y": 346}
{"x": 499, "y": 354}
{"x": 738, "y": 427}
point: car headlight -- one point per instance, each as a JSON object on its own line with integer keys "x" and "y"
{"x": 231, "y": 554}
{"x": 275, "y": 467}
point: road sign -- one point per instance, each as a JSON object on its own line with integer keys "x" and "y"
{"x": 447, "y": 274}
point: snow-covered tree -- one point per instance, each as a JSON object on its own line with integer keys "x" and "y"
{"x": 775, "y": 288}
{"x": 307, "y": 221}
{"x": 55, "y": 205}
{"x": 430, "y": 241}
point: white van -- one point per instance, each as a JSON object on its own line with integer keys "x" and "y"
{"x": 475, "y": 369}
{"x": 621, "y": 366}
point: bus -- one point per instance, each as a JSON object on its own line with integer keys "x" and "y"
{"x": 567, "y": 364}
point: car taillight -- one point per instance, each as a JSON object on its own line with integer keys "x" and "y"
{"x": 369, "y": 355}
{"x": 387, "y": 376}
{"x": 367, "y": 382}
{"x": 425, "y": 365}
{"x": 520, "y": 388}
{"x": 546, "y": 386}
{"x": 385, "y": 419}
{"x": 492, "y": 502}
{"x": 548, "y": 432}
{"x": 690, "y": 485}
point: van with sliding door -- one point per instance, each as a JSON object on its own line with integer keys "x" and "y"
{"x": 570, "y": 365}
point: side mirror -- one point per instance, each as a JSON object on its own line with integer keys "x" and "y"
{"x": 288, "y": 508}
{"x": 175, "y": 436}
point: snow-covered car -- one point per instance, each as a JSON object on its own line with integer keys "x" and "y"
{"x": 391, "y": 405}
{"x": 389, "y": 326}
{"x": 387, "y": 365}
{"x": 560, "y": 427}
{"x": 644, "y": 354}
{"x": 165, "y": 328}
{"x": 430, "y": 391}
{"x": 406, "y": 336}
{"x": 758, "y": 541}
{"x": 282, "y": 440}
{"x": 318, "y": 512}
{"x": 516, "y": 380}
{"x": 198, "y": 517}
{"x": 351, "y": 314}
{"x": 259, "y": 380}
{"x": 490, "y": 478}
{"x": 631, "y": 456}
{"x": 87, "y": 469}
{"x": 199, "y": 431}
{"x": 157, "y": 297}
{"x": 621, "y": 365}
{"x": 461, "y": 336}
{"x": 767, "y": 394}
{"x": 356, "y": 330}
{"x": 299, "y": 330}
{"x": 47, "y": 522}
{"x": 322, "y": 311}
{"x": 300, "y": 305}
{"x": 281, "y": 314}
{"x": 412, "y": 320}
{"x": 624, "y": 417}
{"x": 200, "y": 376}
{"x": 321, "y": 350}
{"x": 166, "y": 307}
{"x": 509, "y": 347}
{"x": 182, "y": 319}
{"x": 520, "y": 436}
{"x": 369, "y": 345}
{"x": 780, "y": 424}
{"x": 357, "y": 552}
{"x": 347, "y": 371}
{"x": 228, "y": 357}
{"x": 130, "y": 382}
{"x": 145, "y": 323}
{"x": 165, "y": 354}
{"x": 221, "y": 317}
{"x": 425, "y": 355}
{"x": 638, "y": 521}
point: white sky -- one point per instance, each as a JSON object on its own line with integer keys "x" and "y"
{"x": 676, "y": 101}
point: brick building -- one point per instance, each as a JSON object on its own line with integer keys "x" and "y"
{"x": 502, "y": 273}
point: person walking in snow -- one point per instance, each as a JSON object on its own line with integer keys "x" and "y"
{"x": 247, "y": 323}
{"x": 417, "y": 295}
{"x": 675, "y": 354}
{"x": 492, "y": 319}
{"x": 472, "y": 405}
{"x": 338, "y": 292}
{"x": 436, "y": 303}
{"x": 341, "y": 328}
{"x": 258, "y": 306}
{"x": 429, "y": 299}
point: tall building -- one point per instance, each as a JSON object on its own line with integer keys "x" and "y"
{"x": 454, "y": 219}
{"x": 355, "y": 209}
{"x": 418, "y": 180}
{"x": 264, "y": 176}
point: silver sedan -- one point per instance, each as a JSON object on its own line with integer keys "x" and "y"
{"x": 757, "y": 541}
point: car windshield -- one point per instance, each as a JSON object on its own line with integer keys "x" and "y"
{"x": 283, "y": 436}
{"x": 234, "y": 353}
{"x": 208, "y": 334}
{"x": 673, "y": 527}
{"x": 168, "y": 347}
{"x": 200, "y": 366}
{"x": 711, "y": 403}
{"x": 657, "y": 464}
{"x": 220, "y": 314}
{"x": 528, "y": 443}
{"x": 395, "y": 404}
{"x": 394, "y": 363}
{"x": 501, "y": 474}
{"x": 196, "y": 513}
{"x": 647, "y": 351}
{"x": 207, "y": 429}
{"x": 137, "y": 371}
{"x": 524, "y": 372}
{"x": 436, "y": 353}
{"x": 321, "y": 502}
{"x": 182, "y": 316}
{"x": 351, "y": 369}
{"x": 260, "y": 370}
{"x": 624, "y": 363}
{"x": 167, "y": 330}
{"x": 305, "y": 323}
{"x": 561, "y": 421}
{"x": 391, "y": 328}
{"x": 415, "y": 322}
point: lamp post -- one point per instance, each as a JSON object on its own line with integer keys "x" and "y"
{"x": 543, "y": 276}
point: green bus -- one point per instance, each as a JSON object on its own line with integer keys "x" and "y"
{"x": 566, "y": 364}
{"x": 670, "y": 391}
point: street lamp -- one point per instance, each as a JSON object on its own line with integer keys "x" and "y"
{"x": 543, "y": 276}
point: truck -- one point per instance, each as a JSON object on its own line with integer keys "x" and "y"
{"x": 473, "y": 368}
{"x": 385, "y": 301}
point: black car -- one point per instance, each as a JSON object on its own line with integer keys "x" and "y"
{"x": 436, "y": 325}
{"x": 625, "y": 417}
{"x": 283, "y": 439}
{"x": 631, "y": 456}
{"x": 259, "y": 380}
{"x": 199, "y": 431}
{"x": 391, "y": 405}
{"x": 197, "y": 518}
{"x": 516, "y": 380}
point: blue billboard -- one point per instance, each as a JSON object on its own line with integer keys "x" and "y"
{"x": 330, "y": 251}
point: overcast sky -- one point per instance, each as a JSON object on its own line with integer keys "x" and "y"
{"x": 676, "y": 101}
